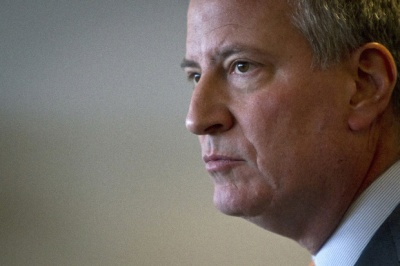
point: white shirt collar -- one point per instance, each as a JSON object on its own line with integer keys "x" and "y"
{"x": 361, "y": 221}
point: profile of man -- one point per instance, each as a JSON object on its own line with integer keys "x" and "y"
{"x": 297, "y": 108}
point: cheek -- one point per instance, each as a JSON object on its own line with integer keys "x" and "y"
{"x": 258, "y": 116}
{"x": 294, "y": 138}
{"x": 283, "y": 134}
{"x": 265, "y": 128}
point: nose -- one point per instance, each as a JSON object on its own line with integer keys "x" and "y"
{"x": 209, "y": 112}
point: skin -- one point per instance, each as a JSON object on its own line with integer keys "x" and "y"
{"x": 289, "y": 147}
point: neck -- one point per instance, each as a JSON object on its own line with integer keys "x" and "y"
{"x": 384, "y": 145}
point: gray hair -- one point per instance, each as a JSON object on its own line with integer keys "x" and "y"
{"x": 335, "y": 28}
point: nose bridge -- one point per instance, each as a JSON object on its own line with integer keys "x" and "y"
{"x": 209, "y": 111}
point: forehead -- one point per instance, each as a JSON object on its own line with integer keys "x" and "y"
{"x": 213, "y": 24}
{"x": 247, "y": 12}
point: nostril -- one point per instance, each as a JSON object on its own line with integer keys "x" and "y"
{"x": 214, "y": 129}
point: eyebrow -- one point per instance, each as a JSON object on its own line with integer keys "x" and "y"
{"x": 230, "y": 50}
{"x": 220, "y": 55}
{"x": 189, "y": 63}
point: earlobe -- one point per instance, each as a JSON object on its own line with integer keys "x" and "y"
{"x": 375, "y": 81}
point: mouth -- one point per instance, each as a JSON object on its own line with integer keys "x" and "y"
{"x": 218, "y": 163}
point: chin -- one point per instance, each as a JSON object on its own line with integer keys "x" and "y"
{"x": 229, "y": 209}
{"x": 237, "y": 203}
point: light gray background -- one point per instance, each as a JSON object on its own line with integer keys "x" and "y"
{"x": 96, "y": 167}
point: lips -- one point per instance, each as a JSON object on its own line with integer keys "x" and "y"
{"x": 218, "y": 163}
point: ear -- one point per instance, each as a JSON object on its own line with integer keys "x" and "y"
{"x": 375, "y": 80}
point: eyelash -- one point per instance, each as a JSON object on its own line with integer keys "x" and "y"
{"x": 236, "y": 65}
{"x": 195, "y": 77}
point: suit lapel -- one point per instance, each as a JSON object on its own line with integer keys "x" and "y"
{"x": 384, "y": 246}
{"x": 394, "y": 223}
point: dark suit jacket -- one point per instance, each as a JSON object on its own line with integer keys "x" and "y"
{"x": 384, "y": 247}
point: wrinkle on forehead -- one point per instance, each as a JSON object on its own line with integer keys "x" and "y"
{"x": 215, "y": 14}
{"x": 234, "y": 25}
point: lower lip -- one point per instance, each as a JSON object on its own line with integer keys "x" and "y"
{"x": 221, "y": 165}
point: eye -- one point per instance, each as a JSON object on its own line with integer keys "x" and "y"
{"x": 194, "y": 77}
{"x": 241, "y": 67}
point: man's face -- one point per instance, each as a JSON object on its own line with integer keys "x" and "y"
{"x": 273, "y": 131}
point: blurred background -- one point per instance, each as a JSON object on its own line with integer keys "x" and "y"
{"x": 96, "y": 166}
